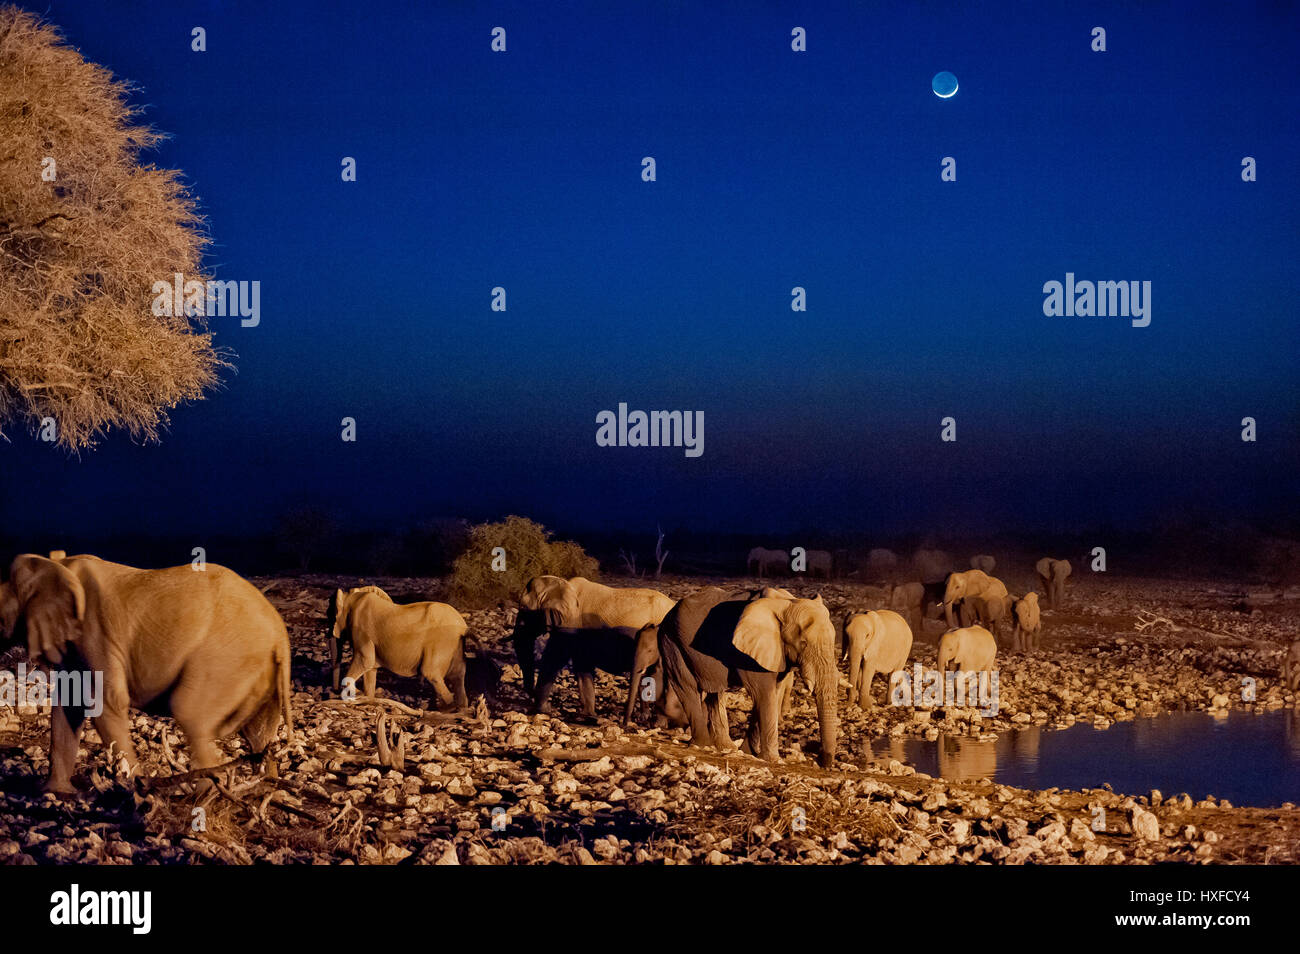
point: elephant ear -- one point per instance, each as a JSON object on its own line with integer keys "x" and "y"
{"x": 758, "y": 634}
{"x": 1044, "y": 567}
{"x": 1064, "y": 568}
{"x": 53, "y": 604}
{"x": 559, "y": 599}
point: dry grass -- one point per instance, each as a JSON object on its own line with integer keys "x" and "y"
{"x": 78, "y": 255}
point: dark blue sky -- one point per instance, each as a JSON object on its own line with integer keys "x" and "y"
{"x": 775, "y": 169}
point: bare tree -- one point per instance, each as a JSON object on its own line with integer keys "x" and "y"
{"x": 660, "y": 553}
{"x": 86, "y": 229}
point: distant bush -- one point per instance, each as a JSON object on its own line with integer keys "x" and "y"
{"x": 529, "y": 552}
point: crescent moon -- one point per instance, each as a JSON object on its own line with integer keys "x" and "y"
{"x": 944, "y": 85}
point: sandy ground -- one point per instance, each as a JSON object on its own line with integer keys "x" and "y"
{"x": 500, "y": 785}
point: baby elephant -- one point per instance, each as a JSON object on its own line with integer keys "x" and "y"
{"x": 427, "y": 638}
{"x": 879, "y": 641}
{"x": 971, "y": 649}
{"x": 1027, "y": 626}
{"x": 991, "y": 610}
{"x": 1291, "y": 667}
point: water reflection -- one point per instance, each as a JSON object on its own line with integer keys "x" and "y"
{"x": 1247, "y": 758}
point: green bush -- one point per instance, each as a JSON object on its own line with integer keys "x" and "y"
{"x": 528, "y": 553}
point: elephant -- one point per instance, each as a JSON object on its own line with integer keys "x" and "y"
{"x": 877, "y": 641}
{"x": 932, "y": 565}
{"x": 983, "y": 562}
{"x": 908, "y": 599}
{"x": 971, "y": 649}
{"x": 1027, "y": 627}
{"x": 427, "y": 639}
{"x": 881, "y": 561}
{"x": 709, "y": 640}
{"x": 1291, "y": 667}
{"x": 819, "y": 562}
{"x": 762, "y": 560}
{"x": 646, "y": 682}
{"x": 204, "y": 646}
{"x": 1052, "y": 574}
{"x": 968, "y": 585}
{"x": 589, "y": 623}
{"x": 988, "y": 611}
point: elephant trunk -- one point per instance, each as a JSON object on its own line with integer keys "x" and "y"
{"x": 825, "y": 682}
{"x": 633, "y": 691}
{"x": 947, "y": 611}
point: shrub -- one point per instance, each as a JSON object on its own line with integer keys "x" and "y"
{"x": 529, "y": 552}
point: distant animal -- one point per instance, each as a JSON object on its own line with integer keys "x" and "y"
{"x": 932, "y": 565}
{"x": 970, "y": 585}
{"x": 708, "y": 640}
{"x": 882, "y": 561}
{"x": 971, "y": 649}
{"x": 1052, "y": 575}
{"x": 763, "y": 562}
{"x": 1026, "y": 632}
{"x": 205, "y": 647}
{"x": 1291, "y": 667}
{"x": 983, "y": 562}
{"x": 819, "y": 563}
{"x": 876, "y": 641}
{"x": 589, "y": 624}
{"x": 427, "y": 639}
{"x": 907, "y": 599}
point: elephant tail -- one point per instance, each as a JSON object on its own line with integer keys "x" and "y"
{"x": 284, "y": 686}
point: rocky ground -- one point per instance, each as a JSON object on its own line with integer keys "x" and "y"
{"x": 499, "y": 785}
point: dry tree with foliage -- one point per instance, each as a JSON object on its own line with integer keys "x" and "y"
{"x": 482, "y": 575}
{"x": 85, "y": 230}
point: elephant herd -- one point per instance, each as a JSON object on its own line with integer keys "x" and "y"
{"x": 205, "y": 646}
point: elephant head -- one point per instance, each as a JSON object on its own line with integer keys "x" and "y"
{"x": 338, "y": 620}
{"x": 46, "y": 601}
{"x": 781, "y": 634}
{"x": 644, "y": 658}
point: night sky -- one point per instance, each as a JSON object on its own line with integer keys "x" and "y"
{"x": 775, "y": 169}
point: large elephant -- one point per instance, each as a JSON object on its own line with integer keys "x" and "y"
{"x": 412, "y": 638}
{"x": 877, "y": 641}
{"x": 1052, "y": 575}
{"x": 709, "y": 640}
{"x": 593, "y": 625}
{"x": 971, "y": 649}
{"x": 1026, "y": 631}
{"x": 969, "y": 585}
{"x": 203, "y": 645}
{"x": 1291, "y": 667}
{"x": 983, "y": 562}
{"x": 762, "y": 562}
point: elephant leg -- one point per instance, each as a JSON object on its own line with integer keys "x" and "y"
{"x": 554, "y": 658}
{"x": 865, "y": 701}
{"x": 440, "y": 690}
{"x": 456, "y": 676}
{"x": 525, "y": 653}
{"x": 719, "y": 725}
{"x": 363, "y": 667}
{"x": 587, "y": 693}
{"x": 114, "y": 724}
{"x": 65, "y": 742}
{"x": 764, "y": 689}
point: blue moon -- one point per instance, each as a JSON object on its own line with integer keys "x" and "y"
{"x": 944, "y": 85}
